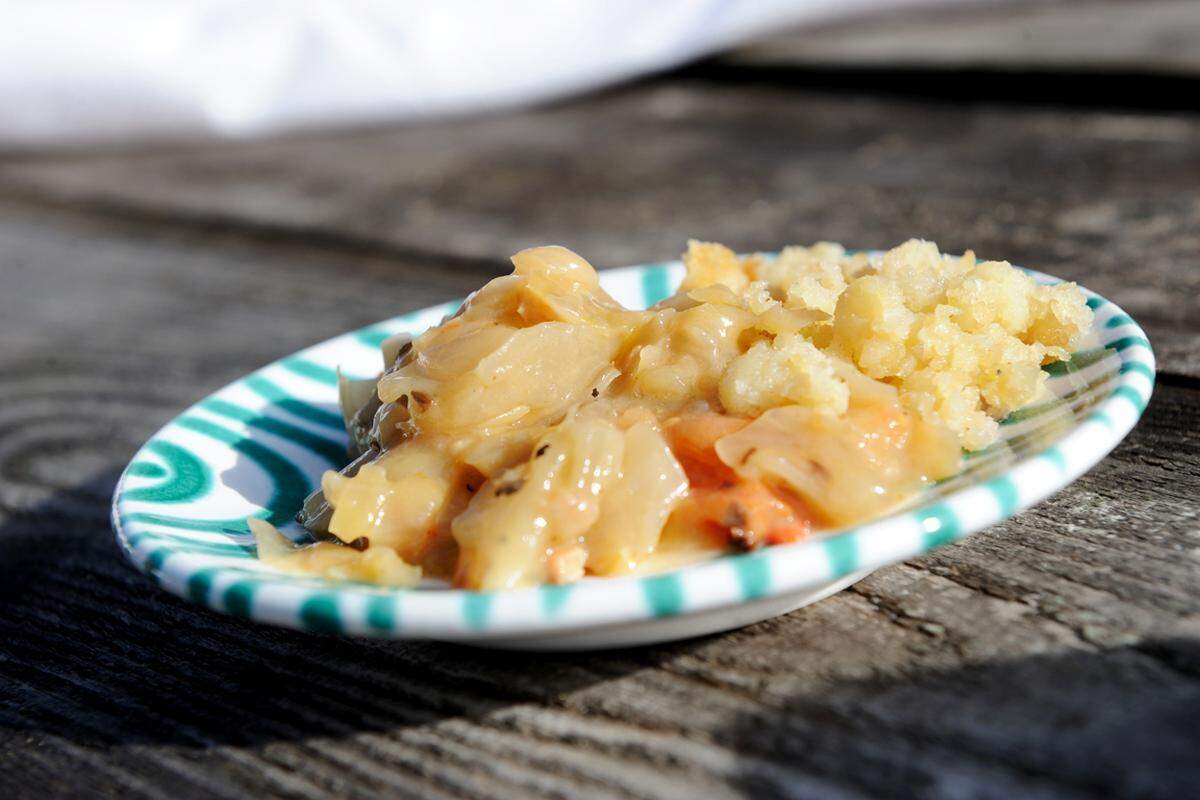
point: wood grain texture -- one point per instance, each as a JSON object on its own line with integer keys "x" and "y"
{"x": 1102, "y": 197}
{"x": 1056, "y": 655}
{"x": 1149, "y": 36}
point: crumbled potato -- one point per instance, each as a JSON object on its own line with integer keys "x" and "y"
{"x": 709, "y": 263}
{"x": 992, "y": 293}
{"x": 920, "y": 273}
{"x": 871, "y": 327}
{"x": 795, "y": 263}
{"x": 1060, "y": 316}
{"x": 962, "y": 341}
{"x": 788, "y": 370}
{"x": 815, "y": 278}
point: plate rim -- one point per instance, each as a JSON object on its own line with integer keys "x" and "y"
{"x": 325, "y": 606}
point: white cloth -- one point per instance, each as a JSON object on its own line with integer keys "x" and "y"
{"x": 77, "y": 71}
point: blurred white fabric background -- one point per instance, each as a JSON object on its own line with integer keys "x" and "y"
{"x": 76, "y": 72}
{"x": 81, "y": 72}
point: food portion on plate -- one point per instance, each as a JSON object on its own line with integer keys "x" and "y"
{"x": 545, "y": 432}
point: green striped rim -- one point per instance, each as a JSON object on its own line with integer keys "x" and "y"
{"x": 270, "y": 392}
{"x": 311, "y": 370}
{"x": 664, "y": 594}
{"x": 753, "y": 574}
{"x": 656, "y": 285}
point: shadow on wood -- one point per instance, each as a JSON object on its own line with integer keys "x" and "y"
{"x": 1113, "y": 723}
{"x": 116, "y": 660}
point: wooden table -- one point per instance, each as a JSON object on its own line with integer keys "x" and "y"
{"x": 1055, "y": 655}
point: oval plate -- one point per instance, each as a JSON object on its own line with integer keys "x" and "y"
{"x": 259, "y": 445}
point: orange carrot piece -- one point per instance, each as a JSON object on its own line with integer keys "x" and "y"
{"x": 693, "y": 439}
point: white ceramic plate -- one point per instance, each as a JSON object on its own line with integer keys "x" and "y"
{"x": 258, "y": 446}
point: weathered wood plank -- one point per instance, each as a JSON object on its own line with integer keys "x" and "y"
{"x": 1052, "y": 656}
{"x": 1077, "y": 35}
{"x": 1104, "y": 198}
